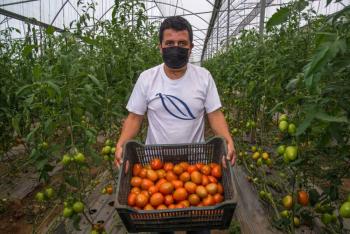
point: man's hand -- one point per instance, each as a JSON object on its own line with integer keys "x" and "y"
{"x": 231, "y": 152}
{"x": 118, "y": 160}
{"x": 131, "y": 127}
{"x": 219, "y": 126}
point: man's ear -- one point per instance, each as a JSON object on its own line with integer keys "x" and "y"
{"x": 160, "y": 47}
{"x": 191, "y": 47}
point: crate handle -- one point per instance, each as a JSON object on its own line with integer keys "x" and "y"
{"x": 127, "y": 166}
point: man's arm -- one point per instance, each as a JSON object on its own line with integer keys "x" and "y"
{"x": 130, "y": 129}
{"x": 219, "y": 126}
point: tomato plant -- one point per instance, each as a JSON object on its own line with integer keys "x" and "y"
{"x": 285, "y": 94}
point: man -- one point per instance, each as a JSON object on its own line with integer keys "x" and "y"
{"x": 176, "y": 95}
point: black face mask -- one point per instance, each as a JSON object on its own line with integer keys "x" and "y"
{"x": 175, "y": 57}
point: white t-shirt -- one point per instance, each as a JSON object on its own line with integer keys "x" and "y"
{"x": 175, "y": 108}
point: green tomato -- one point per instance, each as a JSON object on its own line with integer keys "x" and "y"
{"x": 344, "y": 210}
{"x": 285, "y": 158}
{"x": 291, "y": 152}
{"x": 262, "y": 194}
{"x": 285, "y": 213}
{"x": 78, "y": 207}
{"x": 94, "y": 232}
{"x": 66, "y": 159}
{"x": 283, "y": 117}
{"x": 287, "y": 202}
{"x": 112, "y": 150}
{"x": 248, "y": 124}
{"x": 256, "y": 155}
{"x": 269, "y": 196}
{"x": 348, "y": 198}
{"x": 67, "y": 212}
{"x": 283, "y": 126}
{"x": 268, "y": 162}
{"x": 292, "y": 129}
{"x": 108, "y": 142}
{"x": 40, "y": 196}
{"x": 106, "y": 157}
{"x": 252, "y": 124}
{"x": 44, "y": 145}
{"x": 106, "y": 149}
{"x": 253, "y": 148}
{"x": 296, "y": 221}
{"x": 49, "y": 192}
{"x": 259, "y": 162}
{"x": 326, "y": 218}
{"x": 281, "y": 149}
{"x": 79, "y": 158}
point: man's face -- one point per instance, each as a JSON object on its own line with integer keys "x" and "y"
{"x": 172, "y": 38}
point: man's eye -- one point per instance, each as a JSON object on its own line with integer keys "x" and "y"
{"x": 182, "y": 44}
{"x": 169, "y": 43}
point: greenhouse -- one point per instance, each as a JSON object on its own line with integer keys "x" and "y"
{"x": 174, "y": 116}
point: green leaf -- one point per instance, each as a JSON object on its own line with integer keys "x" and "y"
{"x": 72, "y": 181}
{"x": 326, "y": 52}
{"x": 50, "y": 30}
{"x": 54, "y": 87}
{"x": 24, "y": 88}
{"x": 89, "y": 40}
{"x": 314, "y": 196}
{"x": 15, "y": 125}
{"x": 279, "y": 17}
{"x": 41, "y": 164}
{"x": 37, "y": 71}
{"x": 278, "y": 106}
{"x": 76, "y": 220}
{"x": 301, "y": 5}
{"x": 95, "y": 81}
{"x": 306, "y": 123}
{"x": 27, "y": 50}
{"x": 292, "y": 84}
{"x": 328, "y": 118}
{"x": 49, "y": 127}
{"x": 31, "y": 133}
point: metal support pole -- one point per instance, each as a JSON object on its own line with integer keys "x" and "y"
{"x": 211, "y": 45}
{"x": 217, "y": 34}
{"x": 228, "y": 23}
{"x": 132, "y": 15}
{"x": 262, "y": 17}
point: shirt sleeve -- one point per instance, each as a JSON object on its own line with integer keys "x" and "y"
{"x": 138, "y": 100}
{"x": 212, "y": 101}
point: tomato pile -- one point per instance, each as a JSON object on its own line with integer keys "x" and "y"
{"x": 165, "y": 185}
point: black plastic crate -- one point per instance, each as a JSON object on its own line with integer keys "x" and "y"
{"x": 192, "y": 218}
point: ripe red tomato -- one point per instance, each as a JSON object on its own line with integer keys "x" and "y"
{"x": 156, "y": 164}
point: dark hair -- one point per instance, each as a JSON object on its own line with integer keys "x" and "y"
{"x": 177, "y": 23}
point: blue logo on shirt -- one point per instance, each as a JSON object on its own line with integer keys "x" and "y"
{"x": 180, "y": 114}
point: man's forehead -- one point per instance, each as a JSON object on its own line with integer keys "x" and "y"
{"x": 172, "y": 34}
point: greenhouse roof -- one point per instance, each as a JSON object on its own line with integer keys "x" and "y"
{"x": 213, "y": 21}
